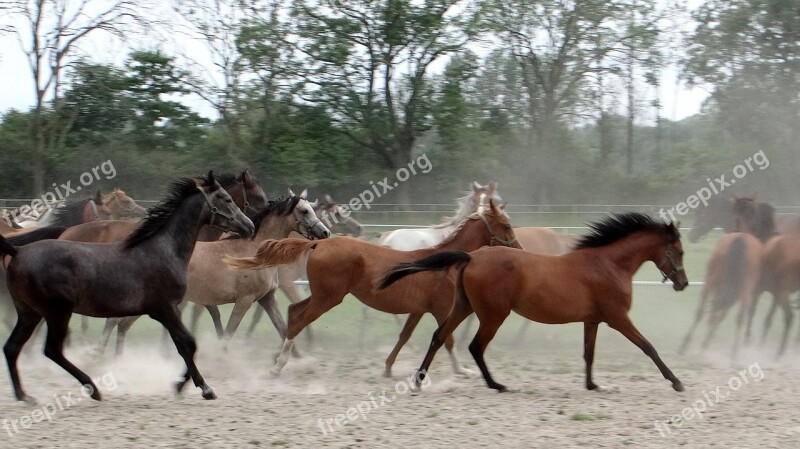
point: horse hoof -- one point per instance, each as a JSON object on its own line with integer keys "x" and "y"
{"x": 678, "y": 386}
{"x": 275, "y": 373}
{"x": 30, "y": 400}
{"x": 501, "y": 388}
{"x": 591, "y": 386}
{"x": 96, "y": 396}
{"x": 179, "y": 386}
{"x": 208, "y": 394}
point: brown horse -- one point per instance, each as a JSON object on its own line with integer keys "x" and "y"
{"x": 289, "y": 273}
{"x": 591, "y": 284}
{"x": 345, "y": 265}
{"x": 780, "y": 275}
{"x": 123, "y": 207}
{"x": 536, "y": 240}
{"x": 732, "y": 277}
{"x": 754, "y": 217}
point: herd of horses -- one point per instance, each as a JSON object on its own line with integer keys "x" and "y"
{"x": 217, "y": 239}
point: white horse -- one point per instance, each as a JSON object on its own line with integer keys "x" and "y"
{"x": 409, "y": 239}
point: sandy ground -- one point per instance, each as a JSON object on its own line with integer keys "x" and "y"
{"x": 548, "y": 406}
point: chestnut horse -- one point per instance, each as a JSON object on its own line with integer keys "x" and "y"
{"x": 345, "y": 265}
{"x": 123, "y": 207}
{"x": 289, "y": 273}
{"x": 780, "y": 275}
{"x": 146, "y": 274}
{"x": 591, "y": 284}
{"x": 732, "y": 277}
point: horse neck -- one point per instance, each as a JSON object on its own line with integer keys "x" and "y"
{"x": 179, "y": 235}
{"x": 274, "y": 227}
{"x": 630, "y": 253}
{"x": 468, "y": 238}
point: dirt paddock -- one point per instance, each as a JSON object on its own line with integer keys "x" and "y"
{"x": 335, "y": 396}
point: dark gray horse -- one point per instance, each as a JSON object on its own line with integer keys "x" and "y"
{"x": 145, "y": 274}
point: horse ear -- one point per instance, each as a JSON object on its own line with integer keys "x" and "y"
{"x": 245, "y": 177}
{"x": 327, "y": 198}
{"x": 475, "y": 186}
{"x": 98, "y": 197}
{"x": 492, "y": 206}
{"x": 315, "y": 204}
{"x": 211, "y": 180}
{"x": 304, "y": 193}
{"x": 492, "y": 186}
{"x": 291, "y": 193}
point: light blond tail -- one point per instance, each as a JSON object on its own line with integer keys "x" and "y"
{"x": 272, "y": 253}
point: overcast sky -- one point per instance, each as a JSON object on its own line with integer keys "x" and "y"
{"x": 17, "y": 91}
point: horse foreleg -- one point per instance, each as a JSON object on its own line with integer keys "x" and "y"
{"x": 624, "y": 326}
{"x": 197, "y": 309}
{"x": 768, "y": 318}
{"x": 589, "y": 339}
{"x": 698, "y": 316}
{"x": 240, "y": 308}
{"x": 105, "y": 336}
{"x": 405, "y": 334}
{"x": 27, "y": 320}
{"x": 256, "y": 318}
{"x": 57, "y": 328}
{"x": 186, "y": 346}
{"x": 217, "y": 319}
{"x": 467, "y": 326}
{"x": 788, "y": 316}
{"x": 122, "y": 331}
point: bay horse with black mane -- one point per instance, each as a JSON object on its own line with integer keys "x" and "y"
{"x": 145, "y": 274}
{"x": 345, "y": 265}
{"x": 591, "y": 284}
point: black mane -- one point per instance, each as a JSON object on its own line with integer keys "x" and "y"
{"x": 158, "y": 215}
{"x": 226, "y": 180}
{"x": 70, "y": 214}
{"x": 619, "y": 226}
{"x": 278, "y": 207}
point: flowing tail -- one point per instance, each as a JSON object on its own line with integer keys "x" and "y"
{"x": 437, "y": 262}
{"x": 733, "y": 272}
{"x": 272, "y": 253}
{"x": 49, "y": 232}
{"x": 6, "y": 248}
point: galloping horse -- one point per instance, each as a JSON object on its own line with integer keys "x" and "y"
{"x": 289, "y": 273}
{"x": 345, "y": 265}
{"x": 732, "y": 276}
{"x": 211, "y": 283}
{"x": 418, "y": 238}
{"x": 780, "y": 275}
{"x": 591, "y": 284}
{"x": 245, "y": 190}
{"x": 146, "y": 274}
{"x": 123, "y": 207}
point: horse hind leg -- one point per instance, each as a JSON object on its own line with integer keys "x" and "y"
{"x": 788, "y": 316}
{"x": 27, "y": 320}
{"x": 698, "y": 316}
{"x": 768, "y": 319}
{"x": 486, "y": 332}
{"x": 57, "y": 329}
{"x": 405, "y": 334}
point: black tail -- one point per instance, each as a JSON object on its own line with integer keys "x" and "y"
{"x": 6, "y": 248}
{"x": 49, "y": 232}
{"x": 438, "y": 261}
{"x": 733, "y": 272}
